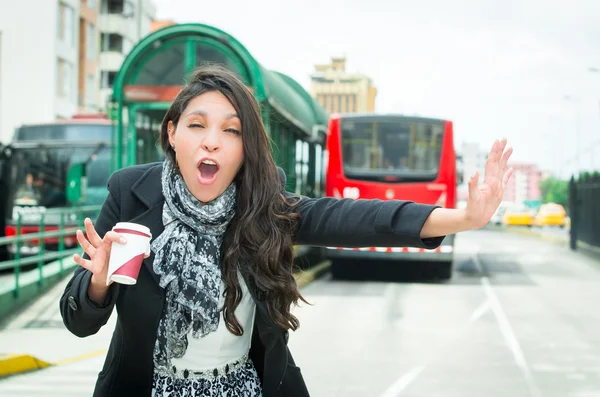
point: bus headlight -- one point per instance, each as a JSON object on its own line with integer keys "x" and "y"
{"x": 351, "y": 192}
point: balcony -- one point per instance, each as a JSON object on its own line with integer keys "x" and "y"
{"x": 111, "y": 60}
{"x": 119, "y": 24}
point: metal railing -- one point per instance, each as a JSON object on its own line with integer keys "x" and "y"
{"x": 55, "y": 227}
{"x": 584, "y": 196}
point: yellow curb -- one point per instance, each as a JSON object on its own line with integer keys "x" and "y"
{"x": 17, "y": 363}
{"x": 13, "y": 364}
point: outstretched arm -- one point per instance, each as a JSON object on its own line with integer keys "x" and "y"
{"x": 394, "y": 223}
{"x": 483, "y": 200}
{"x": 332, "y": 222}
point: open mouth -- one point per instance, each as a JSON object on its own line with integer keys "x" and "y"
{"x": 207, "y": 171}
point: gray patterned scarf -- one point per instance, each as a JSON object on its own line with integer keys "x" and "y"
{"x": 187, "y": 259}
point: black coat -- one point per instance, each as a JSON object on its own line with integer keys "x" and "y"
{"x": 135, "y": 196}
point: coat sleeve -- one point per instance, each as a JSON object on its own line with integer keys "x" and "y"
{"x": 332, "y": 222}
{"x": 81, "y": 315}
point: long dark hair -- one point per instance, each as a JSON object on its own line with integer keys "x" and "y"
{"x": 259, "y": 238}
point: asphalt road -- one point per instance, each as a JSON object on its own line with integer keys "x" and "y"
{"x": 519, "y": 318}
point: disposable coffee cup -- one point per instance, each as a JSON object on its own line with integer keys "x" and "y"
{"x": 126, "y": 259}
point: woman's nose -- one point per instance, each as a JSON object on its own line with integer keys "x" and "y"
{"x": 211, "y": 141}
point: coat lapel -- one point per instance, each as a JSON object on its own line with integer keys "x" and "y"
{"x": 148, "y": 190}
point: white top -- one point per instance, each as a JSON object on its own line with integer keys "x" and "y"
{"x": 221, "y": 347}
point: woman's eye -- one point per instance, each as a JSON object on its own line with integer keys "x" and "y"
{"x": 233, "y": 131}
{"x": 195, "y": 125}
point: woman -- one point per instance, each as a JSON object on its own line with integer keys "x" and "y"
{"x": 210, "y": 312}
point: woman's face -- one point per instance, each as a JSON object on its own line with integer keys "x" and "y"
{"x": 208, "y": 145}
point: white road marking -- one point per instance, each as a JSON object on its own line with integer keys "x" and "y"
{"x": 405, "y": 380}
{"x": 508, "y": 332}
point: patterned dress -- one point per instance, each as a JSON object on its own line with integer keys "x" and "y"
{"x": 236, "y": 380}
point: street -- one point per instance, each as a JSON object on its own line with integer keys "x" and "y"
{"x": 518, "y": 319}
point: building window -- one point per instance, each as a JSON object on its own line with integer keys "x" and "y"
{"x": 65, "y": 79}
{"x": 66, "y": 24}
{"x": 91, "y": 42}
{"x": 321, "y": 99}
{"x": 123, "y": 7}
{"x": 115, "y": 42}
{"x": 108, "y": 79}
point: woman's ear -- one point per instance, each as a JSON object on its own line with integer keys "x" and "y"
{"x": 171, "y": 132}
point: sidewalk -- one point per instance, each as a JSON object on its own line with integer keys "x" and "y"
{"x": 554, "y": 236}
{"x": 40, "y": 334}
{"x": 550, "y": 235}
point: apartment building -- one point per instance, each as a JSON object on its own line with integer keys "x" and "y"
{"x": 60, "y": 59}
{"x": 339, "y": 91}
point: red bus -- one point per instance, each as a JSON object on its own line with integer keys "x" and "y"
{"x": 392, "y": 157}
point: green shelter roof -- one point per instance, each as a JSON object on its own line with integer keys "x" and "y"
{"x": 196, "y": 40}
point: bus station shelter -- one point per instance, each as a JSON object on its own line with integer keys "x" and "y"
{"x": 155, "y": 71}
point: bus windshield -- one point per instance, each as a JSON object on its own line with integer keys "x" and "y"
{"x": 393, "y": 149}
{"x": 39, "y": 158}
{"x": 63, "y": 132}
{"x": 39, "y": 174}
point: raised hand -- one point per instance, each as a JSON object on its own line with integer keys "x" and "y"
{"x": 98, "y": 249}
{"x": 484, "y": 200}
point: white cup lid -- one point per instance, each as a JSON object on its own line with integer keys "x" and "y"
{"x": 133, "y": 226}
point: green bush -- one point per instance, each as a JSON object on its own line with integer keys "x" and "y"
{"x": 555, "y": 191}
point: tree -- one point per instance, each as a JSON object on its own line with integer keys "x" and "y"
{"x": 555, "y": 191}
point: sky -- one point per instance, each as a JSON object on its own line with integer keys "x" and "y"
{"x": 518, "y": 69}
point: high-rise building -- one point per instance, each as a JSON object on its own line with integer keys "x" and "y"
{"x": 341, "y": 92}
{"x": 88, "y": 72}
{"x": 45, "y": 61}
{"x": 122, "y": 24}
{"x": 524, "y": 184}
{"x": 54, "y": 61}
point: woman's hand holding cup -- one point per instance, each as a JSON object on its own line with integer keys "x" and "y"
{"x": 98, "y": 249}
